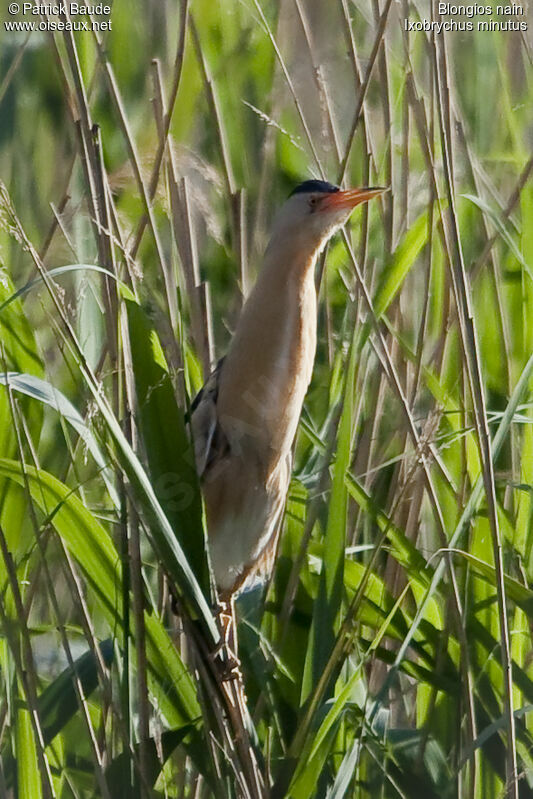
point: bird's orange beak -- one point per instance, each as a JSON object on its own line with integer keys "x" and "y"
{"x": 350, "y": 198}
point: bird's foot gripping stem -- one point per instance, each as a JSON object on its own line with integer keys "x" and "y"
{"x": 226, "y": 655}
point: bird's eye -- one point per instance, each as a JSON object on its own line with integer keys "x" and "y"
{"x": 313, "y": 201}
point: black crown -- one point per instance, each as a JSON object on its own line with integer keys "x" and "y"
{"x": 309, "y": 186}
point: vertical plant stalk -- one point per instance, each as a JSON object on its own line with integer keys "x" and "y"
{"x": 141, "y": 184}
{"x": 455, "y": 263}
{"x": 385, "y": 92}
{"x": 358, "y": 80}
{"x": 167, "y": 120}
{"x": 292, "y": 90}
{"x": 426, "y": 140}
{"x": 322, "y": 88}
{"x": 96, "y": 179}
{"x": 137, "y": 590}
{"x": 242, "y": 246}
{"x": 183, "y": 224}
{"x": 206, "y": 315}
{"x": 364, "y": 88}
{"x": 185, "y": 239}
{"x": 475, "y": 378}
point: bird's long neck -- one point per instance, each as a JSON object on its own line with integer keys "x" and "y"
{"x": 268, "y": 367}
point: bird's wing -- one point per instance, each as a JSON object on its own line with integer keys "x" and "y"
{"x": 210, "y": 443}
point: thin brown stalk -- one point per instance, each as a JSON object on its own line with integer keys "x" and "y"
{"x": 214, "y": 105}
{"x": 59, "y": 224}
{"x": 364, "y": 87}
{"x": 228, "y": 704}
{"x": 292, "y": 90}
{"x": 206, "y": 310}
{"x": 86, "y": 131}
{"x": 319, "y": 79}
{"x": 384, "y": 89}
{"x": 406, "y": 125}
{"x": 242, "y": 245}
{"x": 185, "y": 233}
{"x": 167, "y": 120}
{"x": 57, "y": 212}
{"x": 141, "y": 184}
{"x": 107, "y": 257}
{"x": 137, "y": 592}
{"x": 358, "y": 80}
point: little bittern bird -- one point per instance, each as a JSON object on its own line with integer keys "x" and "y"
{"x": 245, "y": 418}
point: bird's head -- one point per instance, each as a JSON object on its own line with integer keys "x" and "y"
{"x": 315, "y": 210}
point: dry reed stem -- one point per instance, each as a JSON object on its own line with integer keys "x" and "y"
{"x": 475, "y": 377}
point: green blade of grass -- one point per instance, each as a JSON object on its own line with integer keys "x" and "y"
{"x": 403, "y": 259}
{"x": 46, "y": 393}
{"x": 328, "y": 602}
{"x": 171, "y": 684}
{"x": 28, "y": 776}
{"x": 168, "y": 448}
